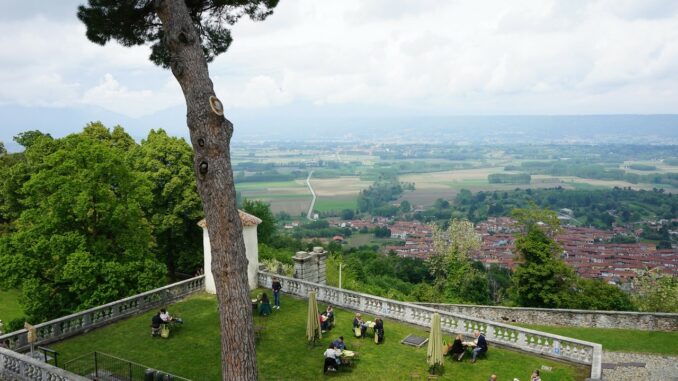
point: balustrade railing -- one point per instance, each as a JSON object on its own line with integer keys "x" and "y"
{"x": 80, "y": 322}
{"x": 15, "y": 366}
{"x": 523, "y": 339}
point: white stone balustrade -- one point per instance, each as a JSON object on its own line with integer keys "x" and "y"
{"x": 523, "y": 339}
{"x": 81, "y": 322}
{"x": 15, "y": 366}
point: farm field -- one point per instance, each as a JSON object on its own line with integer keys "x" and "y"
{"x": 661, "y": 167}
{"x": 341, "y": 186}
{"x": 433, "y": 185}
{"x": 292, "y": 197}
{"x": 338, "y": 203}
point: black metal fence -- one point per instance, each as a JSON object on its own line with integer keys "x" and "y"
{"x": 103, "y": 367}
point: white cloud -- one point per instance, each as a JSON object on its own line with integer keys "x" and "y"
{"x": 555, "y": 56}
{"x": 111, "y": 95}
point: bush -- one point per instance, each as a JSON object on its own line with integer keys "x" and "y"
{"x": 15, "y": 324}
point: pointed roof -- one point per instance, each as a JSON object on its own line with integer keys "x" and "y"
{"x": 245, "y": 218}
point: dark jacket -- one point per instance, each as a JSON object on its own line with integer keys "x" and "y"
{"x": 156, "y": 321}
{"x": 482, "y": 344}
{"x": 276, "y": 286}
{"x": 457, "y": 346}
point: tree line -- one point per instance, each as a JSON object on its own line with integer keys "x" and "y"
{"x": 600, "y": 208}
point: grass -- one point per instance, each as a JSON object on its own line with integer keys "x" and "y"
{"x": 619, "y": 340}
{"x": 9, "y": 306}
{"x": 264, "y": 185}
{"x": 324, "y": 204}
{"x": 282, "y": 352}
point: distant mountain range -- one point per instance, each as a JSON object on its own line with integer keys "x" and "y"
{"x": 305, "y": 122}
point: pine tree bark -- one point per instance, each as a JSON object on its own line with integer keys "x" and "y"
{"x": 210, "y": 137}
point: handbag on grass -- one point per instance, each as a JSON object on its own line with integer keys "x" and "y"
{"x": 165, "y": 331}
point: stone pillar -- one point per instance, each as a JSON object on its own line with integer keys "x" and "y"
{"x": 301, "y": 265}
{"x": 311, "y": 266}
{"x": 321, "y": 256}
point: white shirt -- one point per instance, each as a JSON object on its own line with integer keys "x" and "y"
{"x": 331, "y": 353}
{"x": 165, "y": 316}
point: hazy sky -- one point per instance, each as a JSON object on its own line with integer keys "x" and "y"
{"x": 422, "y": 56}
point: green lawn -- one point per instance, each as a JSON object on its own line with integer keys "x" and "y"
{"x": 620, "y": 340}
{"x": 9, "y": 306}
{"x": 264, "y": 185}
{"x": 192, "y": 351}
{"x": 336, "y": 203}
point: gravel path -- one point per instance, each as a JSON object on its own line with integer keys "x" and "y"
{"x": 622, "y": 366}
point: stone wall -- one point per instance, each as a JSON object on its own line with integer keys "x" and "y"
{"x": 84, "y": 321}
{"x": 15, "y": 366}
{"x": 310, "y": 266}
{"x": 650, "y": 321}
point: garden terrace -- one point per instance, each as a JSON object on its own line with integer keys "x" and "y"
{"x": 193, "y": 350}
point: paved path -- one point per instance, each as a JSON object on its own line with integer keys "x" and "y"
{"x": 622, "y": 366}
{"x": 310, "y": 208}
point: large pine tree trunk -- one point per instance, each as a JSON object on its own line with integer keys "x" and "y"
{"x": 210, "y": 136}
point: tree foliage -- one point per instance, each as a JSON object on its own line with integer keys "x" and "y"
{"x": 267, "y": 229}
{"x": 136, "y": 22}
{"x": 450, "y": 263}
{"x": 81, "y": 238}
{"x": 175, "y": 208}
{"x": 656, "y": 292}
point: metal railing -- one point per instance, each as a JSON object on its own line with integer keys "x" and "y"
{"x": 15, "y": 366}
{"x": 522, "y": 339}
{"x": 84, "y": 321}
{"x": 102, "y": 366}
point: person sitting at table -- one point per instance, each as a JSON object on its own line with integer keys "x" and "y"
{"x": 359, "y": 326}
{"x": 481, "y": 345}
{"x": 535, "y": 376}
{"x": 324, "y": 322}
{"x": 339, "y": 343}
{"x": 331, "y": 359}
{"x": 329, "y": 312}
{"x": 156, "y": 322}
{"x": 457, "y": 350}
{"x": 378, "y": 330}
{"x": 265, "y": 307}
{"x": 167, "y": 318}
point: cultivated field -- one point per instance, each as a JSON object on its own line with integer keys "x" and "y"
{"x": 433, "y": 185}
{"x": 292, "y": 197}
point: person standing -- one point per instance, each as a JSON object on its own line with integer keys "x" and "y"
{"x": 276, "y": 286}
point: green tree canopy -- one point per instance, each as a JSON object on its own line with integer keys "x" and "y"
{"x": 81, "y": 238}
{"x": 176, "y": 208}
{"x": 266, "y": 230}
{"x": 542, "y": 279}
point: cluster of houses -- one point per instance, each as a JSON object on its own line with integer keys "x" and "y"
{"x": 588, "y": 250}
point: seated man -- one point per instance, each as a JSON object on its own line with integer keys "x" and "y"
{"x": 481, "y": 345}
{"x": 167, "y": 318}
{"x": 156, "y": 322}
{"x": 331, "y": 359}
{"x": 339, "y": 343}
